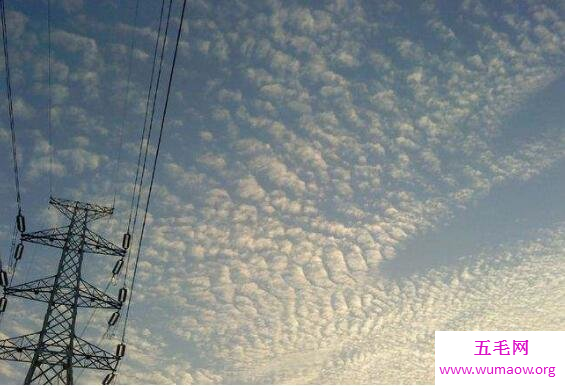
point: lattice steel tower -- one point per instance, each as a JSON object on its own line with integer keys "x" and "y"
{"x": 56, "y": 349}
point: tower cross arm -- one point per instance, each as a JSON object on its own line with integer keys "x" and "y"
{"x": 85, "y": 354}
{"x": 54, "y": 237}
{"x": 90, "y": 296}
{"x": 40, "y": 290}
{"x": 89, "y": 356}
{"x": 20, "y": 348}
{"x": 67, "y": 208}
{"x": 94, "y": 243}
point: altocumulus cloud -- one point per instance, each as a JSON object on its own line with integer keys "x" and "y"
{"x": 311, "y": 142}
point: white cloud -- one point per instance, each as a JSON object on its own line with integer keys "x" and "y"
{"x": 4, "y": 135}
{"x": 249, "y": 188}
{"x": 317, "y": 142}
{"x": 76, "y": 43}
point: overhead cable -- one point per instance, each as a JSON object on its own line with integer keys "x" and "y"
{"x": 126, "y": 103}
{"x": 153, "y": 172}
{"x": 49, "y": 99}
{"x": 10, "y": 106}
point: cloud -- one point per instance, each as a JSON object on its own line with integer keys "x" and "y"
{"x": 72, "y": 5}
{"x": 72, "y": 42}
{"x": 311, "y": 144}
{"x": 16, "y": 23}
{"x": 249, "y": 188}
{"x": 82, "y": 159}
{"x": 4, "y": 135}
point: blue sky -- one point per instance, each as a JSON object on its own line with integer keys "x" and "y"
{"x": 338, "y": 179}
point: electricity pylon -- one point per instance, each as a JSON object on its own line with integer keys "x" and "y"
{"x": 56, "y": 349}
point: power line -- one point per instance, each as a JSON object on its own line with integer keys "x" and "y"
{"x": 142, "y": 141}
{"x": 124, "y": 120}
{"x": 126, "y": 100}
{"x": 20, "y": 221}
{"x": 150, "y": 128}
{"x": 10, "y": 106}
{"x": 140, "y": 152}
{"x": 136, "y": 193}
{"x": 154, "y": 166}
{"x": 134, "y": 189}
{"x": 49, "y": 99}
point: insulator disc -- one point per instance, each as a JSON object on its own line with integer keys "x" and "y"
{"x": 21, "y": 223}
{"x": 123, "y": 294}
{"x": 108, "y": 379}
{"x": 3, "y": 303}
{"x": 3, "y": 278}
{"x": 118, "y": 266}
{"x": 126, "y": 240}
{"x": 18, "y": 253}
{"x": 120, "y": 350}
{"x": 114, "y": 318}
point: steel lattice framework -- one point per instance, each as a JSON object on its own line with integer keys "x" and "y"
{"x": 56, "y": 350}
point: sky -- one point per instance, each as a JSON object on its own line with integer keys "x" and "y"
{"x": 337, "y": 179}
